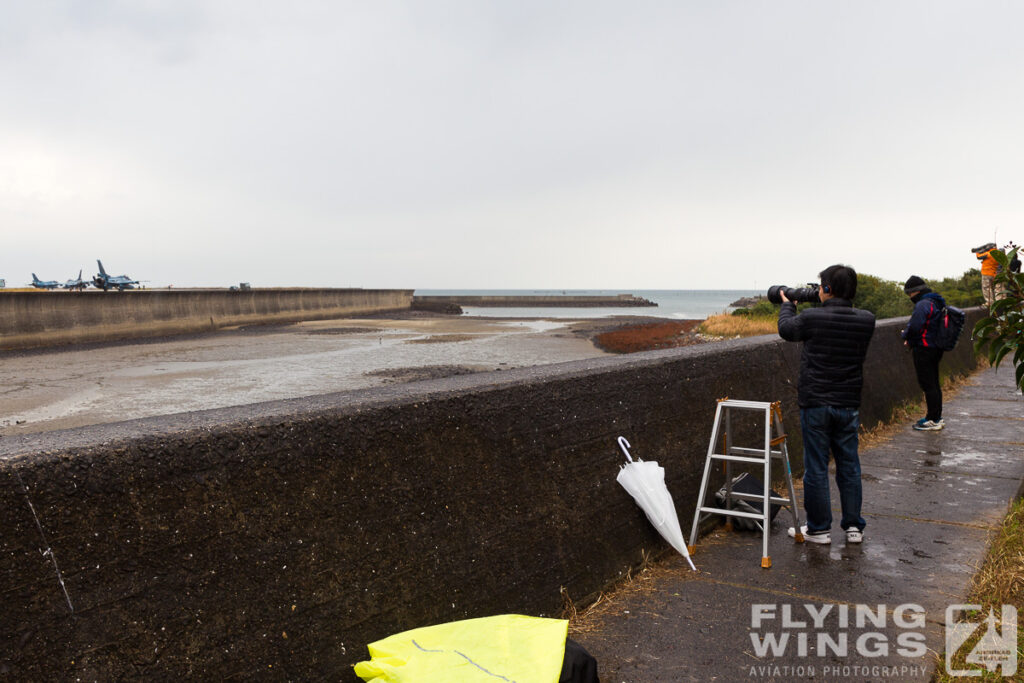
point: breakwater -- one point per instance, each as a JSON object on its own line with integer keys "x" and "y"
{"x": 539, "y": 301}
{"x": 275, "y": 540}
{"x": 34, "y": 319}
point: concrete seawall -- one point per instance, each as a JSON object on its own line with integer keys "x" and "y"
{"x": 33, "y": 319}
{"x": 273, "y": 541}
{"x": 539, "y": 301}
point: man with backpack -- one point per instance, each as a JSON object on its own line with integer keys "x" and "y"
{"x": 922, "y": 336}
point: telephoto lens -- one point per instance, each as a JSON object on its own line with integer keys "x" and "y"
{"x": 796, "y": 295}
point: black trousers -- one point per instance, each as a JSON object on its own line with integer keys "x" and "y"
{"x": 926, "y": 364}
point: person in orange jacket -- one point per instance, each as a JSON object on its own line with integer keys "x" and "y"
{"x": 989, "y": 270}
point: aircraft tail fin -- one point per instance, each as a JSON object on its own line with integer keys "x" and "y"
{"x": 34, "y": 278}
{"x": 100, "y": 264}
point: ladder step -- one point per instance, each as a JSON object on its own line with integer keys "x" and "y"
{"x": 736, "y": 403}
{"x": 758, "y": 497}
{"x": 732, "y": 513}
{"x": 736, "y": 458}
{"x": 777, "y": 440}
{"x": 759, "y": 451}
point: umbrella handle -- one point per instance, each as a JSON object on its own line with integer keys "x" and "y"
{"x": 624, "y": 445}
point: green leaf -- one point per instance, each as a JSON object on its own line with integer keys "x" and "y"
{"x": 982, "y": 327}
{"x": 1003, "y": 350}
{"x": 1001, "y": 305}
{"x": 994, "y": 347}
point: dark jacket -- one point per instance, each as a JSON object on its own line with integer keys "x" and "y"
{"x": 836, "y": 337}
{"x": 924, "y": 321}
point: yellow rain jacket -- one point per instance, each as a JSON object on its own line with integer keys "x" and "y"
{"x": 510, "y": 646}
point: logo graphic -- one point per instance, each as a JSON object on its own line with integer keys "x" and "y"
{"x": 997, "y": 648}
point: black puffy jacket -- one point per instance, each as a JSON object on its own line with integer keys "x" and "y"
{"x": 836, "y": 337}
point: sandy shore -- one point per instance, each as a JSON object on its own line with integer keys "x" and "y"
{"x": 90, "y": 384}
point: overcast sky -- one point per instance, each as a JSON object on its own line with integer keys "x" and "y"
{"x": 512, "y": 144}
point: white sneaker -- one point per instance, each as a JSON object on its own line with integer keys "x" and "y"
{"x": 819, "y": 537}
{"x": 854, "y": 535}
{"x": 925, "y": 425}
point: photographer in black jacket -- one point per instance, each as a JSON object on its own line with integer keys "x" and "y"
{"x": 836, "y": 337}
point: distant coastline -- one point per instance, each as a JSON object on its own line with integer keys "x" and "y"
{"x": 673, "y": 304}
{"x": 437, "y": 302}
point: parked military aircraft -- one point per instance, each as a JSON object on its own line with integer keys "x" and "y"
{"x": 104, "y": 281}
{"x": 44, "y": 284}
{"x": 78, "y": 283}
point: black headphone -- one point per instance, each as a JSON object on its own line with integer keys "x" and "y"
{"x": 825, "y": 288}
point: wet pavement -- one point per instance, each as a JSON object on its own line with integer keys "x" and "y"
{"x": 932, "y": 501}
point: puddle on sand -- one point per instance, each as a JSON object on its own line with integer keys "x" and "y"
{"x": 538, "y": 325}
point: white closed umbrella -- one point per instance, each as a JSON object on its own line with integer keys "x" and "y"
{"x": 645, "y": 481}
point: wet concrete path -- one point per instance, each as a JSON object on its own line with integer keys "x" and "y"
{"x": 931, "y": 501}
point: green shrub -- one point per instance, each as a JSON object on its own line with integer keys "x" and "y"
{"x": 885, "y": 298}
{"x": 963, "y": 291}
{"x": 762, "y": 309}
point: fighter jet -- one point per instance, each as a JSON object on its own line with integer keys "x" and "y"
{"x": 78, "y": 283}
{"x": 44, "y": 284}
{"x": 104, "y": 281}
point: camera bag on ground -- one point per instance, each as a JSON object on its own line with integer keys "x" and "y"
{"x": 951, "y": 325}
{"x": 747, "y": 483}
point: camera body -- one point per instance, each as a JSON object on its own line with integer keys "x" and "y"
{"x": 797, "y": 295}
{"x": 983, "y": 248}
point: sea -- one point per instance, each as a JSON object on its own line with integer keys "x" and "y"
{"x": 683, "y": 304}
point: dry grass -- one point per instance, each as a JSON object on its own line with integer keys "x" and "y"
{"x": 636, "y": 582}
{"x": 1001, "y": 577}
{"x": 1000, "y": 581}
{"x": 730, "y": 326}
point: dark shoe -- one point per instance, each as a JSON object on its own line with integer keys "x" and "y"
{"x": 819, "y": 537}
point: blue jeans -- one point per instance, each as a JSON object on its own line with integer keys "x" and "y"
{"x": 826, "y": 427}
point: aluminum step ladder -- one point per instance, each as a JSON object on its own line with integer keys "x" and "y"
{"x": 774, "y": 448}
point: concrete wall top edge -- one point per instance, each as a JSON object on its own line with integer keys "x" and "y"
{"x": 348, "y": 402}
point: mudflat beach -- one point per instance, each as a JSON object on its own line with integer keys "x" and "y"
{"x": 73, "y": 386}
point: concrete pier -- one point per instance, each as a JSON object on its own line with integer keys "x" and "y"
{"x": 35, "y": 319}
{"x": 539, "y": 301}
